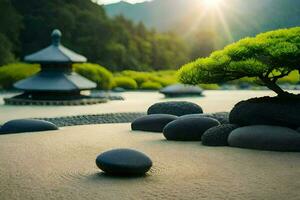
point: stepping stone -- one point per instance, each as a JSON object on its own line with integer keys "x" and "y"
{"x": 177, "y": 108}
{"x": 265, "y": 137}
{"x": 124, "y": 162}
{"x": 27, "y": 125}
{"x": 188, "y": 129}
{"x": 218, "y": 135}
{"x": 152, "y": 123}
{"x": 181, "y": 90}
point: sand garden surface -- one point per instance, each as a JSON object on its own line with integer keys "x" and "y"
{"x": 61, "y": 164}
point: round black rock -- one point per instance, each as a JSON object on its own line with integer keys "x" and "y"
{"x": 188, "y": 129}
{"x": 27, "y": 125}
{"x": 218, "y": 135}
{"x": 124, "y": 162}
{"x": 267, "y": 111}
{"x": 177, "y": 108}
{"x": 222, "y": 117}
{"x": 263, "y": 137}
{"x": 152, "y": 123}
{"x": 180, "y": 90}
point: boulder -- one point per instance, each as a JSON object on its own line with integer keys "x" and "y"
{"x": 180, "y": 90}
{"x": 218, "y": 135}
{"x": 124, "y": 162}
{"x": 177, "y": 108}
{"x": 27, "y": 125}
{"x": 152, "y": 123}
{"x": 267, "y": 111}
{"x": 265, "y": 137}
{"x": 188, "y": 129}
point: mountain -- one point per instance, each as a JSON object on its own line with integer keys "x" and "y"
{"x": 231, "y": 20}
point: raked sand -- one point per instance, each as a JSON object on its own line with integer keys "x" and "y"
{"x": 61, "y": 165}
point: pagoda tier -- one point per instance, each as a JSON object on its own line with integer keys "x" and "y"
{"x": 56, "y": 70}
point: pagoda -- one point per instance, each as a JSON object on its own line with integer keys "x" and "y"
{"x": 56, "y": 83}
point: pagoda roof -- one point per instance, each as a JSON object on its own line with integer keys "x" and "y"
{"x": 55, "y": 82}
{"x": 55, "y": 53}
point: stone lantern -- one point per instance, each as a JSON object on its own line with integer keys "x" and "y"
{"x": 56, "y": 83}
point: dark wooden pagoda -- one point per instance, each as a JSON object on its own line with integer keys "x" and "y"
{"x": 56, "y": 83}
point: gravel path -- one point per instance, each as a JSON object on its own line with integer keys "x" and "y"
{"x": 109, "y": 118}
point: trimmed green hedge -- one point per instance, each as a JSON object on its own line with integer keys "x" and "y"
{"x": 126, "y": 83}
{"x": 11, "y": 73}
{"x": 96, "y": 73}
{"x": 150, "y": 86}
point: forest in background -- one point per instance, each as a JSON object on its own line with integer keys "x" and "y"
{"x": 123, "y": 43}
{"x": 116, "y": 43}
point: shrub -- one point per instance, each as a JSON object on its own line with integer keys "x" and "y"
{"x": 96, "y": 73}
{"x": 11, "y": 73}
{"x": 164, "y": 78}
{"x": 268, "y": 58}
{"x": 125, "y": 82}
{"x": 210, "y": 86}
{"x": 150, "y": 86}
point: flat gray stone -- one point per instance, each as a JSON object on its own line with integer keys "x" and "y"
{"x": 124, "y": 162}
{"x": 188, "y": 129}
{"x": 180, "y": 90}
{"x": 152, "y": 123}
{"x": 265, "y": 137}
{"x": 27, "y": 125}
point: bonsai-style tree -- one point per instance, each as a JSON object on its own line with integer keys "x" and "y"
{"x": 266, "y": 57}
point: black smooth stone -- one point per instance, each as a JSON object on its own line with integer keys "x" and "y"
{"x": 177, "y": 108}
{"x": 152, "y": 123}
{"x": 122, "y": 162}
{"x": 222, "y": 117}
{"x": 265, "y": 137}
{"x": 267, "y": 111}
{"x": 27, "y": 125}
{"x": 188, "y": 129}
{"x": 218, "y": 135}
{"x": 181, "y": 90}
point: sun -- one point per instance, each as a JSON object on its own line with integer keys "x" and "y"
{"x": 212, "y": 3}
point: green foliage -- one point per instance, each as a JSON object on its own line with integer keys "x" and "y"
{"x": 150, "y": 86}
{"x": 6, "y": 55}
{"x": 125, "y": 82}
{"x": 116, "y": 43}
{"x": 210, "y": 86}
{"x": 95, "y": 73}
{"x": 268, "y": 57}
{"x": 163, "y": 78}
{"x": 9, "y": 74}
{"x": 10, "y": 25}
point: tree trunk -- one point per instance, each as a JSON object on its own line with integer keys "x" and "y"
{"x": 278, "y": 90}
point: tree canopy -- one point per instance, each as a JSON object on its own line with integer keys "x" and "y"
{"x": 268, "y": 57}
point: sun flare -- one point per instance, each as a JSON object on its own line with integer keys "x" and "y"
{"x": 212, "y": 3}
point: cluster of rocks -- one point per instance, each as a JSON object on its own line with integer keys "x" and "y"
{"x": 264, "y": 124}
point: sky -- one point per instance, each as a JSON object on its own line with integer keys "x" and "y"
{"x": 114, "y": 1}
